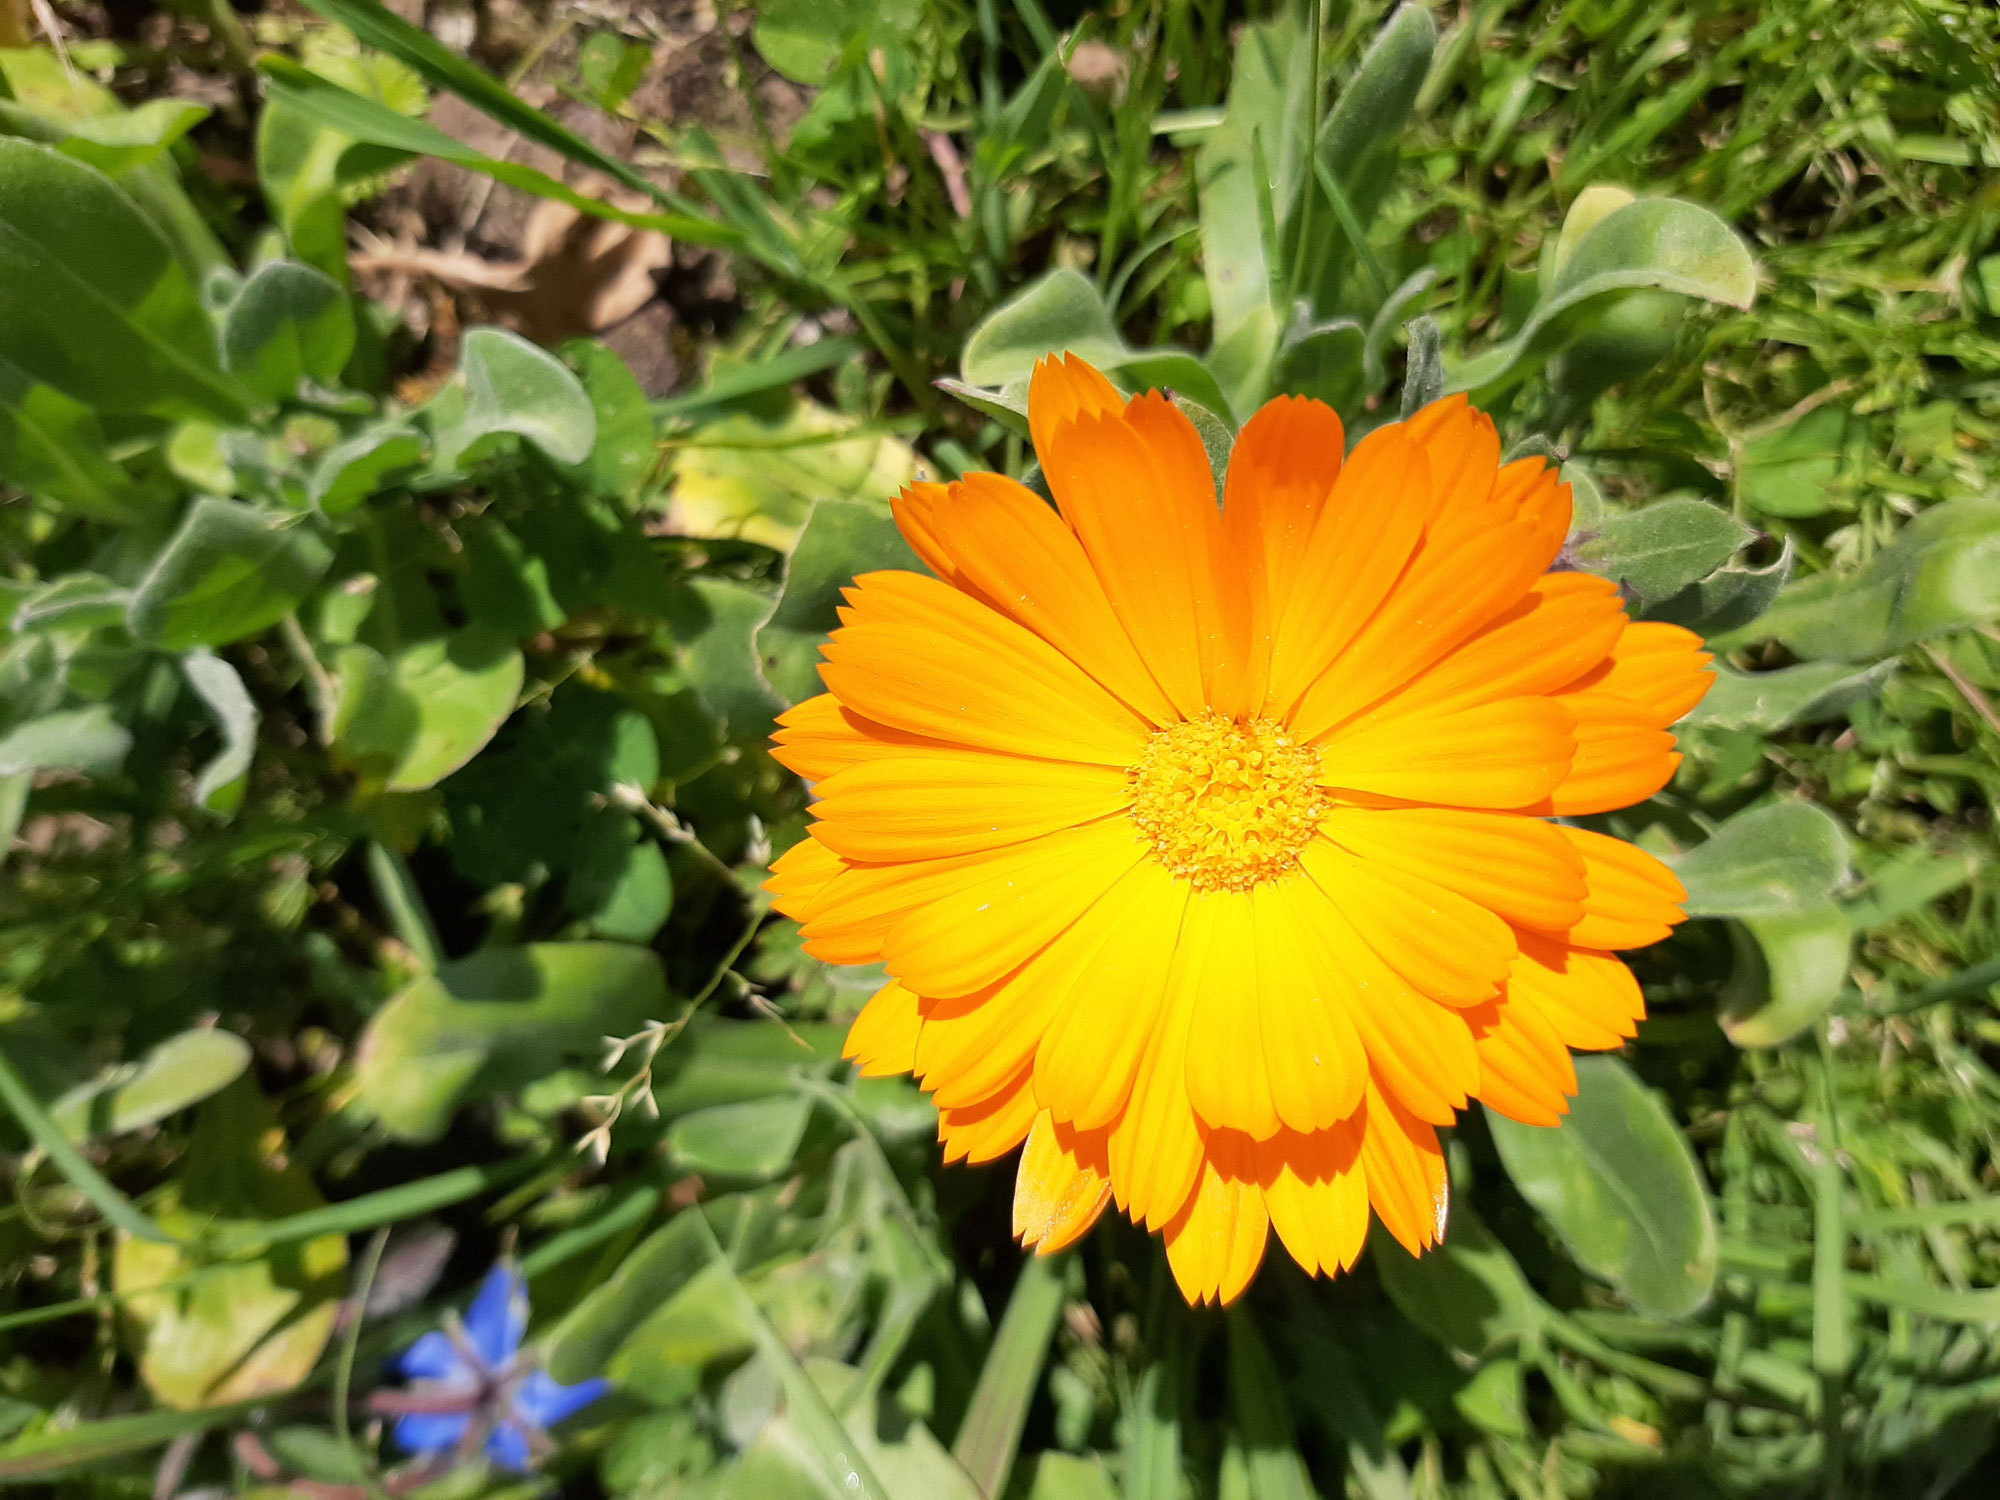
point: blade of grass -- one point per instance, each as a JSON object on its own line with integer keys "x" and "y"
{"x": 989, "y": 1438}
{"x": 369, "y": 1211}
{"x": 86, "y": 1179}
{"x": 1263, "y": 1418}
{"x": 53, "y": 1450}
{"x": 779, "y": 369}
{"x": 403, "y": 904}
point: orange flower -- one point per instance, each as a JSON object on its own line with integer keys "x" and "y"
{"x": 1210, "y": 848}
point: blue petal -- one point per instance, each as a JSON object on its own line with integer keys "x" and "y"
{"x": 431, "y": 1432}
{"x": 508, "y": 1447}
{"x": 498, "y": 1316}
{"x": 433, "y": 1357}
{"x": 540, "y": 1400}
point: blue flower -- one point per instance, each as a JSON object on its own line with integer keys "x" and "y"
{"x": 469, "y": 1389}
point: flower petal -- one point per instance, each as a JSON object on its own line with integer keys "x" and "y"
{"x": 543, "y": 1401}
{"x": 915, "y": 512}
{"x": 883, "y": 1038}
{"x": 1622, "y": 757}
{"x": 1518, "y": 867}
{"x": 1505, "y": 754}
{"x": 1658, "y": 667}
{"x": 1405, "y": 1169}
{"x": 971, "y": 676}
{"x": 1227, "y": 1081}
{"x": 1156, "y": 1144}
{"x": 1215, "y": 1243}
{"x": 1022, "y": 559}
{"x": 498, "y": 1316}
{"x": 800, "y": 874}
{"x": 926, "y": 804}
{"x": 821, "y": 735}
{"x": 1063, "y": 1184}
{"x": 1525, "y": 1071}
{"x": 1137, "y": 488}
{"x": 1365, "y": 533}
{"x": 1633, "y": 899}
{"x": 431, "y": 1431}
{"x": 1007, "y": 906}
{"x": 1062, "y": 389}
{"x": 1317, "y": 1194}
{"x": 508, "y": 1446}
{"x": 1590, "y": 998}
{"x": 1452, "y": 949}
{"x": 1462, "y": 448}
{"x": 435, "y": 1357}
{"x": 1562, "y": 627}
{"x": 1091, "y": 1050}
{"x": 990, "y": 1127}
{"x": 1312, "y": 1053}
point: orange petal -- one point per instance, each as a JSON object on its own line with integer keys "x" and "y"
{"x": 1062, "y": 1186}
{"x": 1656, "y": 667}
{"x": 1524, "y": 1069}
{"x": 1008, "y": 906}
{"x": 1216, "y": 1241}
{"x": 1418, "y": 1049}
{"x": 1092, "y": 1049}
{"x": 1633, "y": 899}
{"x": 1227, "y": 1081}
{"x": 931, "y": 802}
{"x": 883, "y": 1038}
{"x": 990, "y": 1127}
{"x": 915, "y": 511}
{"x": 1452, "y": 949}
{"x": 1312, "y": 1053}
{"x": 1504, "y": 754}
{"x": 1156, "y": 1144}
{"x": 1562, "y": 627}
{"x": 1062, "y": 389}
{"x": 1516, "y": 866}
{"x": 800, "y": 874}
{"x": 1366, "y": 532}
{"x": 1405, "y": 1168}
{"x": 851, "y": 915}
{"x": 1590, "y": 998}
{"x": 971, "y": 676}
{"x": 1454, "y": 585}
{"x": 1281, "y": 471}
{"x": 1621, "y": 757}
{"x": 1026, "y": 563}
{"x": 1317, "y": 1194}
{"x": 1137, "y": 488}
{"x": 1463, "y": 449}
{"x": 820, "y": 736}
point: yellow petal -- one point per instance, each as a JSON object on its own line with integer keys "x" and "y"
{"x": 990, "y": 1127}
{"x": 1632, "y": 898}
{"x": 928, "y": 803}
{"x": 1405, "y": 1168}
{"x": 1062, "y": 1186}
{"x": 1518, "y": 867}
{"x": 1317, "y": 1194}
{"x": 1215, "y": 1243}
{"x": 1590, "y": 998}
{"x": 1227, "y": 1081}
{"x": 1312, "y": 1053}
{"x": 883, "y": 1038}
{"x": 1505, "y": 754}
{"x": 1452, "y": 949}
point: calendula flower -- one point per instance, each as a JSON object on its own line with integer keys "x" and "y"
{"x": 1212, "y": 849}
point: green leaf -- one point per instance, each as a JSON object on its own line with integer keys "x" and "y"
{"x": 71, "y": 739}
{"x": 755, "y": 1140}
{"x": 52, "y": 444}
{"x": 989, "y": 1438}
{"x": 1620, "y": 1186}
{"x": 1727, "y": 599}
{"x": 1008, "y": 405}
{"x": 74, "y": 602}
{"x": 1216, "y": 438}
{"x": 1810, "y": 693}
{"x": 361, "y": 467}
{"x": 116, "y": 143}
{"x": 1796, "y": 472}
{"x": 182, "y": 1071}
{"x": 583, "y": 1343}
{"x": 627, "y": 447}
{"x": 1662, "y": 244}
{"x": 92, "y": 298}
{"x": 511, "y": 386}
{"x": 208, "y": 1333}
{"x": 1263, "y": 1418}
{"x": 1061, "y": 313}
{"x": 1772, "y": 859}
{"x": 228, "y": 572}
{"x": 289, "y": 324}
{"x": 412, "y": 719}
{"x": 1249, "y": 174}
{"x": 720, "y": 659}
{"x": 1069, "y": 1476}
{"x": 45, "y": 1132}
{"x": 1942, "y": 572}
{"x": 1467, "y": 1293}
{"x": 219, "y": 785}
{"x": 806, "y": 40}
{"x": 841, "y": 538}
{"x": 1790, "y": 968}
{"x": 1180, "y": 374}
{"x": 495, "y": 1021}
{"x": 1658, "y": 551}
{"x": 621, "y": 883}
{"x": 57, "y": 1448}
{"x": 378, "y": 27}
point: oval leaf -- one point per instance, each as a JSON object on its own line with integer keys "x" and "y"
{"x": 1618, "y": 1184}
{"x": 1770, "y": 859}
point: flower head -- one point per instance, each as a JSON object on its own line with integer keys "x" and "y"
{"x": 469, "y": 1388}
{"x": 1212, "y": 849}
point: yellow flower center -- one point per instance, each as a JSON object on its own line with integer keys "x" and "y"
{"x": 1227, "y": 804}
